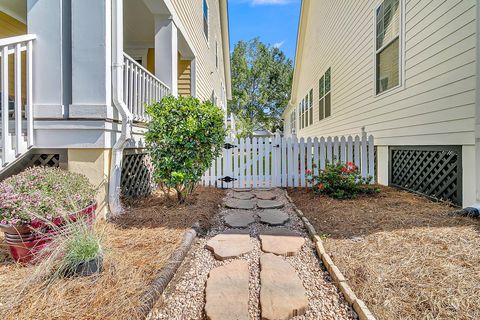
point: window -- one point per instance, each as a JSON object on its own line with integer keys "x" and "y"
{"x": 293, "y": 121}
{"x": 325, "y": 100}
{"x": 205, "y": 18}
{"x": 387, "y": 45}
{"x": 310, "y": 103}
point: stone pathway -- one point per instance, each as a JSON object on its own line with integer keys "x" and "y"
{"x": 257, "y": 262}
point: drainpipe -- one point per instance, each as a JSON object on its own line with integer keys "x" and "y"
{"x": 126, "y": 116}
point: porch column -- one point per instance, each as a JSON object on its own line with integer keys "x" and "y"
{"x": 166, "y": 52}
{"x": 50, "y": 21}
{"x": 91, "y": 65}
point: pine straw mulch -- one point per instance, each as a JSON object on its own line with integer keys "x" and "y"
{"x": 137, "y": 246}
{"x": 405, "y": 256}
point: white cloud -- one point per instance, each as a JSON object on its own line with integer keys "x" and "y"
{"x": 278, "y": 44}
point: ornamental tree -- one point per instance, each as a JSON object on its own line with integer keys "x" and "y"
{"x": 184, "y": 136}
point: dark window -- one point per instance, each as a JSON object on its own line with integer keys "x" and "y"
{"x": 205, "y": 18}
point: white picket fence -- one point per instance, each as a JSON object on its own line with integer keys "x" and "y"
{"x": 277, "y": 161}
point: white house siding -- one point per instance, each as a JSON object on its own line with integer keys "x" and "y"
{"x": 435, "y": 106}
{"x": 208, "y": 77}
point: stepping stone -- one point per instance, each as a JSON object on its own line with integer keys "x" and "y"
{"x": 273, "y": 217}
{"x": 240, "y": 204}
{"x": 239, "y": 219}
{"x": 281, "y": 242}
{"x": 230, "y": 245}
{"x": 282, "y": 295}
{"x": 242, "y": 189}
{"x": 243, "y": 195}
{"x": 265, "y": 195}
{"x": 227, "y": 292}
{"x": 269, "y": 204}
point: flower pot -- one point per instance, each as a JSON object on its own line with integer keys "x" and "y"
{"x": 24, "y": 250}
{"x": 26, "y": 241}
{"x": 88, "y": 268}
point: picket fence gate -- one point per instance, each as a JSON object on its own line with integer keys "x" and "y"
{"x": 277, "y": 161}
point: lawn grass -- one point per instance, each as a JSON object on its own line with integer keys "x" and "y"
{"x": 405, "y": 256}
{"x": 137, "y": 245}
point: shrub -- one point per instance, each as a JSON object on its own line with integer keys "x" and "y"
{"x": 184, "y": 136}
{"x": 43, "y": 193}
{"x": 340, "y": 181}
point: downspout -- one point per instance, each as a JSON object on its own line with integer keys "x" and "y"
{"x": 126, "y": 116}
{"x": 474, "y": 209}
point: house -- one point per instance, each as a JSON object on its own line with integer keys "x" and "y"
{"x": 407, "y": 72}
{"x": 79, "y": 74}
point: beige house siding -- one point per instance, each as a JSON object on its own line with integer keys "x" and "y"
{"x": 435, "y": 105}
{"x": 184, "y": 78}
{"x": 209, "y": 78}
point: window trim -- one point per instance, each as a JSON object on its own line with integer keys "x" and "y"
{"x": 325, "y": 93}
{"x": 401, "y": 48}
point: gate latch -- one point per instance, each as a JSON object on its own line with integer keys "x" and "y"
{"x": 229, "y": 146}
{"x": 227, "y": 179}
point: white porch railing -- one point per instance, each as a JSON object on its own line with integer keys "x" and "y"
{"x": 141, "y": 88}
{"x": 16, "y": 106}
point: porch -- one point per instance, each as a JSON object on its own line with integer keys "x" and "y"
{"x": 60, "y": 84}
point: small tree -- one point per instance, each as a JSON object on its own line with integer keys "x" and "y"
{"x": 183, "y": 138}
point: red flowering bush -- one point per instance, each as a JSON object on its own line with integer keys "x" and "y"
{"x": 43, "y": 194}
{"x": 340, "y": 181}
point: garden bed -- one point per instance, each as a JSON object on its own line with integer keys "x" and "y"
{"x": 405, "y": 256}
{"x": 137, "y": 246}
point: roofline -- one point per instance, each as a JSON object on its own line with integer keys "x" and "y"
{"x": 224, "y": 20}
{"x": 298, "y": 51}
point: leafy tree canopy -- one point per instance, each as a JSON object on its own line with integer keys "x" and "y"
{"x": 261, "y": 83}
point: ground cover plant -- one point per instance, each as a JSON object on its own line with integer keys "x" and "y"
{"x": 136, "y": 246}
{"x": 43, "y": 195}
{"x": 184, "y": 136}
{"x": 406, "y": 256}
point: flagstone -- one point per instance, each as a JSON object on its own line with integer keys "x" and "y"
{"x": 269, "y": 204}
{"x": 227, "y": 292}
{"x": 273, "y": 217}
{"x": 240, "y": 204}
{"x": 239, "y": 219}
{"x": 282, "y": 295}
{"x": 281, "y": 241}
{"x": 229, "y": 245}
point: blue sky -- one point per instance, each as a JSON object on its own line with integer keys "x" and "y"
{"x": 274, "y": 21}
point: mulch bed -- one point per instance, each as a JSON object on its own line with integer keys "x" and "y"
{"x": 137, "y": 246}
{"x": 405, "y": 256}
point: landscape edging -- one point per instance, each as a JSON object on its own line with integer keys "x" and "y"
{"x": 338, "y": 278}
{"x": 167, "y": 273}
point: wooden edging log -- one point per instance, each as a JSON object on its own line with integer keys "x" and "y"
{"x": 166, "y": 273}
{"x": 338, "y": 279}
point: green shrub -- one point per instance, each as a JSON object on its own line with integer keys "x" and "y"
{"x": 184, "y": 136}
{"x": 340, "y": 181}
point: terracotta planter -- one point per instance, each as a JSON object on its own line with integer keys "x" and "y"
{"x": 26, "y": 241}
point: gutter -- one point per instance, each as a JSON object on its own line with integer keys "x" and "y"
{"x": 125, "y": 114}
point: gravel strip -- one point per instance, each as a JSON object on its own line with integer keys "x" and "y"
{"x": 184, "y": 298}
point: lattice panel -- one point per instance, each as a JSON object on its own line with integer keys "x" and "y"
{"x": 136, "y": 175}
{"x": 434, "y": 171}
{"x": 44, "y": 160}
